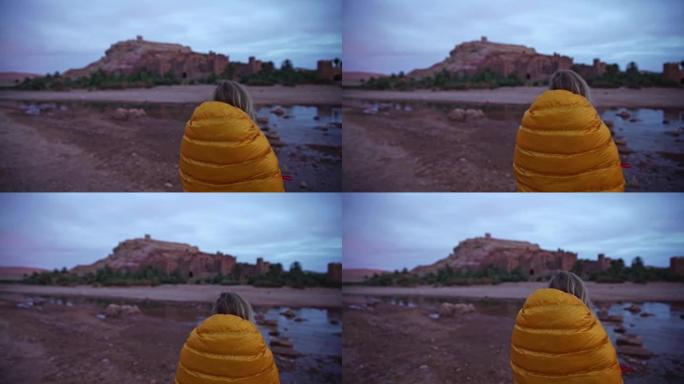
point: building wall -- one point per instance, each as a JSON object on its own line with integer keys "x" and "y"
{"x": 677, "y": 265}
{"x": 673, "y": 72}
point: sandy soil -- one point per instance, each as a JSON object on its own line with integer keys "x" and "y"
{"x": 597, "y": 292}
{"x": 83, "y": 149}
{"x": 622, "y": 97}
{"x": 396, "y": 345}
{"x": 310, "y": 297}
{"x": 302, "y": 94}
{"x": 422, "y": 150}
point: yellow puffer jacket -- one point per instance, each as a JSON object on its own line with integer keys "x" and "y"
{"x": 223, "y": 150}
{"x": 564, "y": 146}
{"x": 226, "y": 349}
{"x": 557, "y": 339}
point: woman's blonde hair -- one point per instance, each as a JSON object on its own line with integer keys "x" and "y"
{"x": 230, "y": 303}
{"x": 235, "y": 94}
{"x": 570, "y": 283}
{"x": 571, "y": 81}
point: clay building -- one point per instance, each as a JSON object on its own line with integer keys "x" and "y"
{"x": 509, "y": 255}
{"x": 335, "y": 272}
{"x": 598, "y": 68}
{"x": 673, "y": 72}
{"x": 482, "y": 55}
{"x": 677, "y": 265}
{"x": 169, "y": 257}
{"x": 329, "y": 70}
{"x": 131, "y": 56}
{"x": 602, "y": 263}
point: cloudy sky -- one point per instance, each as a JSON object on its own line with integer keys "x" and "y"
{"x": 43, "y": 36}
{"x": 399, "y": 35}
{"x": 393, "y": 231}
{"x": 55, "y": 230}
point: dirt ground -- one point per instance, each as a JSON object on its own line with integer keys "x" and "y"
{"x": 61, "y": 341}
{"x": 60, "y": 344}
{"x": 301, "y": 94}
{"x": 82, "y": 149}
{"x": 394, "y": 345}
{"x": 416, "y": 147}
{"x": 597, "y": 292}
{"x": 309, "y": 297}
{"x": 395, "y": 340}
{"x": 421, "y": 150}
{"x": 620, "y": 97}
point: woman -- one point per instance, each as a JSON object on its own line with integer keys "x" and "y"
{"x": 227, "y": 347}
{"x": 557, "y": 339}
{"x": 223, "y": 150}
{"x": 563, "y": 145}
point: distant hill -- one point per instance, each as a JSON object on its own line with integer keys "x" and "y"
{"x": 359, "y": 275}
{"x": 354, "y": 78}
{"x": 17, "y": 273}
{"x": 8, "y": 79}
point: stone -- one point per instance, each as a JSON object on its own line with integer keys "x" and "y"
{"x": 304, "y": 185}
{"x": 115, "y": 310}
{"x": 619, "y": 329}
{"x": 168, "y": 185}
{"x": 278, "y": 111}
{"x": 288, "y": 313}
{"x": 457, "y": 114}
{"x": 625, "y": 114}
{"x": 628, "y": 339}
{"x": 285, "y": 351}
{"x": 268, "y": 323}
{"x": 646, "y": 314}
{"x": 472, "y": 114}
{"x": 101, "y": 316}
{"x": 633, "y": 308}
{"x": 451, "y": 310}
{"x": 434, "y": 316}
{"x": 262, "y": 120}
{"x": 280, "y": 342}
{"x": 634, "y": 351}
{"x": 32, "y": 110}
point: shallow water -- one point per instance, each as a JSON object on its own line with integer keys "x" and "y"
{"x": 662, "y": 334}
